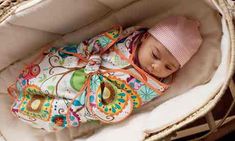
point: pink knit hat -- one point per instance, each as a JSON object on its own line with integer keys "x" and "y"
{"x": 179, "y": 35}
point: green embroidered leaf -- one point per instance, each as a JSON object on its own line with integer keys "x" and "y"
{"x": 61, "y": 62}
{"x": 113, "y": 109}
{"x": 115, "y": 36}
{"x": 46, "y": 112}
{"x": 132, "y": 84}
{"x": 106, "y": 109}
{"x": 122, "y": 94}
{"x": 118, "y": 106}
{"x": 104, "y": 41}
{"x": 133, "y": 97}
{"x": 122, "y": 86}
{"x": 51, "y": 88}
{"x": 100, "y": 104}
{"x": 47, "y": 104}
{"x": 27, "y": 96}
{"x": 78, "y": 79}
{"x": 42, "y": 78}
{"x": 121, "y": 100}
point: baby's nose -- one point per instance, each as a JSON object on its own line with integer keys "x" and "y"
{"x": 156, "y": 67}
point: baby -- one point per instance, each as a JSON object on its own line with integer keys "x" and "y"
{"x": 103, "y": 78}
{"x": 169, "y": 45}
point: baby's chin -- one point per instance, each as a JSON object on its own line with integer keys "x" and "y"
{"x": 152, "y": 74}
{"x": 155, "y": 75}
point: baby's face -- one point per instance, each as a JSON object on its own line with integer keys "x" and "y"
{"x": 155, "y": 59}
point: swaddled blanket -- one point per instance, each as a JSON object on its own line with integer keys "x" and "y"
{"x": 96, "y": 79}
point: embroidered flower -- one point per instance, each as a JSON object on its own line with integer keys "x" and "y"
{"x": 95, "y": 81}
{"x": 72, "y": 48}
{"x": 134, "y": 83}
{"x": 59, "y": 120}
{"x": 146, "y": 93}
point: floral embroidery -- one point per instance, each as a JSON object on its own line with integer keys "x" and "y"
{"x": 146, "y": 93}
{"x": 135, "y": 83}
{"x": 36, "y": 104}
{"x": 78, "y": 79}
{"x": 69, "y": 48}
{"x": 29, "y": 72}
{"x": 65, "y": 89}
{"x": 59, "y": 120}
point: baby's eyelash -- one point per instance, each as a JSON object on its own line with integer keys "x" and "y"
{"x": 155, "y": 56}
{"x": 167, "y": 67}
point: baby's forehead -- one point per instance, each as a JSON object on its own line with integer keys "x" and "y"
{"x": 163, "y": 52}
{"x": 156, "y": 42}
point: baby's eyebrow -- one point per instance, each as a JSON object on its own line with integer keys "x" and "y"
{"x": 159, "y": 53}
{"x": 171, "y": 64}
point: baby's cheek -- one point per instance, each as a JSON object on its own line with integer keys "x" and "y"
{"x": 170, "y": 72}
{"x": 162, "y": 72}
{"x": 142, "y": 59}
{"x": 148, "y": 58}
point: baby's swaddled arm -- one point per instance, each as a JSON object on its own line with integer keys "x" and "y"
{"x": 95, "y": 45}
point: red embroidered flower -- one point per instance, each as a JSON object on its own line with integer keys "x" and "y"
{"x": 59, "y": 120}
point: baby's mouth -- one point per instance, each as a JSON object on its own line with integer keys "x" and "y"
{"x": 147, "y": 70}
{"x": 151, "y": 72}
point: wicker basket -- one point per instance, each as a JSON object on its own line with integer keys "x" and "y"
{"x": 225, "y": 7}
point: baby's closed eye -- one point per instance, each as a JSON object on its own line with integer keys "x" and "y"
{"x": 168, "y": 67}
{"x": 154, "y": 56}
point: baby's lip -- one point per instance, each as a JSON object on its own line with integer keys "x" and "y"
{"x": 147, "y": 70}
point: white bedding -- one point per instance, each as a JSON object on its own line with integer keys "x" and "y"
{"x": 190, "y": 85}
